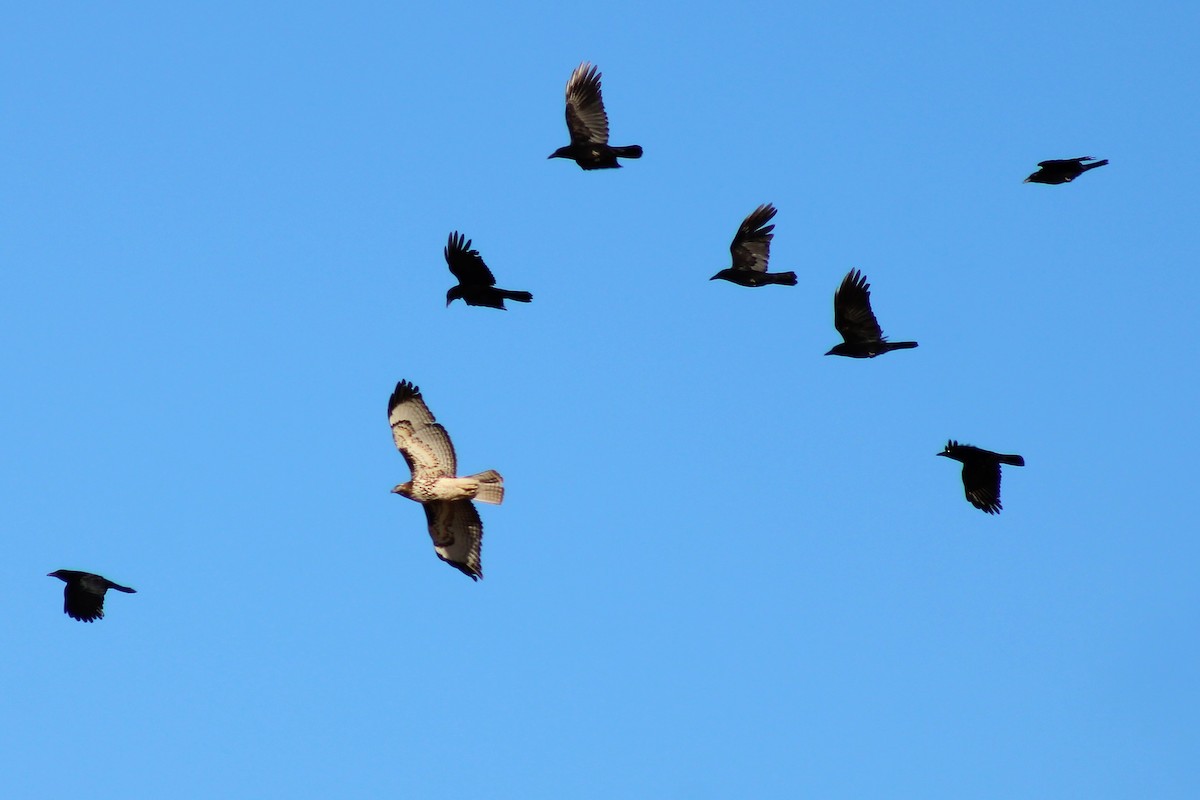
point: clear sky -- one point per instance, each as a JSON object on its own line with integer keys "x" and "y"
{"x": 726, "y": 566}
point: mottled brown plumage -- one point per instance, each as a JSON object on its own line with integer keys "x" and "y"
{"x": 451, "y": 517}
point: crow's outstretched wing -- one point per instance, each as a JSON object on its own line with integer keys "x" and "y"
{"x": 586, "y": 119}
{"x": 751, "y": 247}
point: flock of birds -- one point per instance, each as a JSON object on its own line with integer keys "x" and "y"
{"x": 448, "y": 500}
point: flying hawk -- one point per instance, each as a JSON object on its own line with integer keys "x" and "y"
{"x": 1063, "y": 170}
{"x": 855, "y": 321}
{"x": 476, "y": 284}
{"x": 981, "y": 473}
{"x": 83, "y": 596}
{"x": 588, "y": 124}
{"x": 751, "y": 250}
{"x": 454, "y": 524}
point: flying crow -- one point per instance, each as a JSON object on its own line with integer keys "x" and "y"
{"x": 855, "y": 321}
{"x": 1063, "y": 170}
{"x": 588, "y": 124}
{"x": 476, "y": 284}
{"x": 751, "y": 250}
{"x": 83, "y": 596}
{"x": 981, "y": 473}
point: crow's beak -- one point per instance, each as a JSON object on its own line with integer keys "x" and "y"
{"x": 940, "y": 454}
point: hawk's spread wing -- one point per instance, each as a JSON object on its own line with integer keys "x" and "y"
{"x": 852, "y": 314}
{"x": 981, "y": 482}
{"x": 586, "y": 119}
{"x": 751, "y": 247}
{"x": 424, "y": 443}
{"x": 457, "y": 534}
{"x": 466, "y": 264}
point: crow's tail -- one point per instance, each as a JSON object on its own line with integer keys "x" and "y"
{"x": 1012, "y": 461}
{"x": 632, "y": 151}
{"x": 1086, "y": 167}
{"x": 900, "y": 345}
{"x": 782, "y": 278}
{"x": 121, "y": 588}
{"x": 520, "y": 297}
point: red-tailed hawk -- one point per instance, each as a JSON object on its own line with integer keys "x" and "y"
{"x": 83, "y": 596}
{"x": 454, "y": 523}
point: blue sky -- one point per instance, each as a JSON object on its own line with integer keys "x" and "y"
{"x": 726, "y": 564}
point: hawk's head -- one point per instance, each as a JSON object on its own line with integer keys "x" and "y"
{"x": 403, "y": 489}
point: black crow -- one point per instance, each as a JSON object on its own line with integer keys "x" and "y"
{"x": 476, "y": 284}
{"x": 855, "y": 321}
{"x": 1062, "y": 170}
{"x": 83, "y": 596}
{"x": 588, "y": 124}
{"x": 981, "y": 473}
{"x": 751, "y": 250}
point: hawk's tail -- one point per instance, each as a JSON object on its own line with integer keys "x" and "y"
{"x": 491, "y": 487}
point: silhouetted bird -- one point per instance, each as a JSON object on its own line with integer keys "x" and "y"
{"x": 751, "y": 250}
{"x": 855, "y": 321}
{"x": 981, "y": 473}
{"x": 588, "y": 124}
{"x": 83, "y": 596}
{"x": 450, "y": 516}
{"x": 1062, "y": 170}
{"x": 476, "y": 284}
